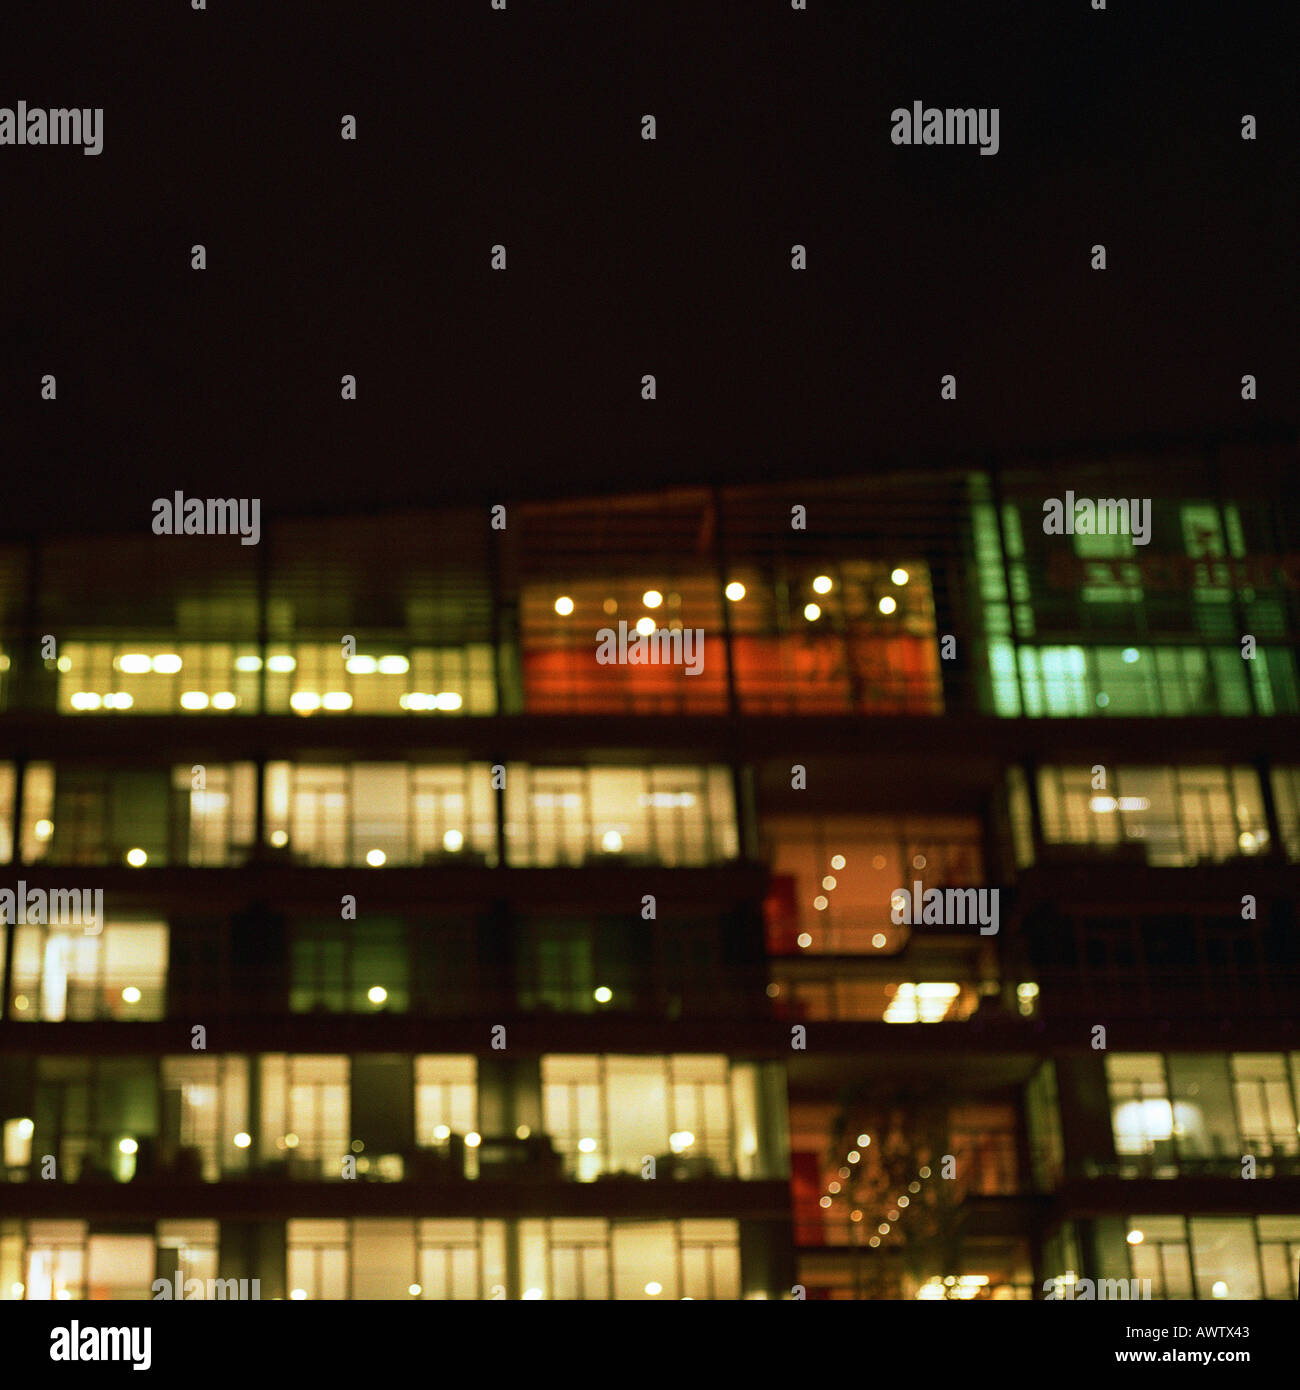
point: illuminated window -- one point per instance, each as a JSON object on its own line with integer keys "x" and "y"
{"x": 7, "y": 811}
{"x": 675, "y": 816}
{"x": 1191, "y": 610}
{"x": 1225, "y": 1258}
{"x": 325, "y": 814}
{"x": 383, "y": 1259}
{"x": 155, "y": 676}
{"x": 461, "y": 1260}
{"x": 380, "y": 678}
{"x": 1204, "y": 1126}
{"x": 309, "y": 1097}
{"x": 695, "y": 1115}
{"x": 866, "y": 859}
{"x": 98, "y": 1116}
{"x": 559, "y": 1258}
{"x": 56, "y": 1261}
{"x": 1161, "y": 1255}
{"x": 1265, "y": 1097}
{"x": 446, "y": 1098}
{"x": 120, "y": 1267}
{"x": 119, "y": 972}
{"x": 205, "y": 1102}
{"x": 630, "y": 1260}
{"x": 1286, "y": 795}
{"x": 98, "y": 815}
{"x": 335, "y": 965}
{"x": 188, "y": 1248}
{"x": 1141, "y": 1113}
{"x": 985, "y": 1144}
{"x": 1172, "y": 816}
{"x": 318, "y": 1260}
{"x": 1279, "y": 1254}
{"x": 219, "y": 814}
{"x": 867, "y": 645}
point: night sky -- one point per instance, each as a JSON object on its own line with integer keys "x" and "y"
{"x": 627, "y": 257}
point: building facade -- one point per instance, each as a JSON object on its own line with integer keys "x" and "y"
{"x": 902, "y": 906}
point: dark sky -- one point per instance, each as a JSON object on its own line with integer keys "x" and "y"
{"x": 627, "y": 257}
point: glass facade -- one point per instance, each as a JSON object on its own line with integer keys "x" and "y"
{"x": 65, "y": 972}
{"x": 1172, "y": 816}
{"x": 624, "y": 1016}
{"x": 844, "y": 616}
{"x": 1177, "y": 1112}
{"x": 1154, "y": 627}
